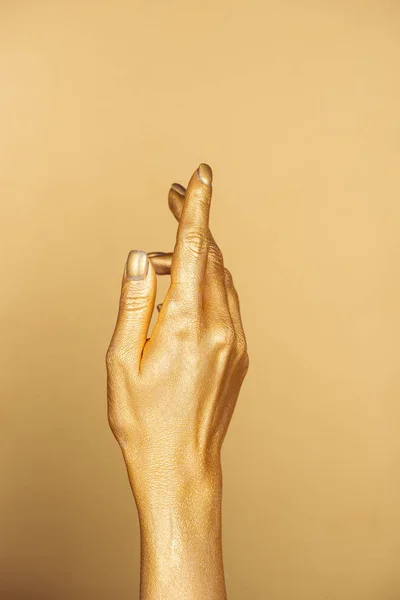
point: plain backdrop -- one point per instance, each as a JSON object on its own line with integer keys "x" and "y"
{"x": 295, "y": 105}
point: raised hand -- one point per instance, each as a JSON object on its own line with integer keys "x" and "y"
{"x": 171, "y": 398}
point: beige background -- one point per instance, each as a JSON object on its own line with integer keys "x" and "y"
{"x": 295, "y": 104}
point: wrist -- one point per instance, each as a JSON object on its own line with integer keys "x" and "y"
{"x": 175, "y": 485}
{"x": 178, "y": 496}
{"x": 181, "y": 541}
{"x": 173, "y": 477}
{"x": 189, "y": 515}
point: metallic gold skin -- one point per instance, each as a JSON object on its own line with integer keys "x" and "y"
{"x": 137, "y": 265}
{"x": 205, "y": 174}
{"x": 179, "y": 188}
{"x": 171, "y": 398}
{"x": 161, "y": 262}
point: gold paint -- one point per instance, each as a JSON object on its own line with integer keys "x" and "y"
{"x": 137, "y": 265}
{"x": 161, "y": 262}
{"x": 298, "y": 106}
{"x": 178, "y": 188}
{"x": 171, "y": 399}
{"x": 205, "y": 173}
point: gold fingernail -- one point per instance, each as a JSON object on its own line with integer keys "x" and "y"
{"x": 137, "y": 265}
{"x": 205, "y": 173}
{"x": 178, "y": 188}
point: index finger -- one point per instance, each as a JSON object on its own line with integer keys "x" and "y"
{"x": 191, "y": 248}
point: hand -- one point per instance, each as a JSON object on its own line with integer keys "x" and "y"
{"x": 171, "y": 397}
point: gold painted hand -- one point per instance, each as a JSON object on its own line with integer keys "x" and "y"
{"x": 171, "y": 398}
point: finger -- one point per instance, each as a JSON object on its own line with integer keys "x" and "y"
{"x": 179, "y": 189}
{"x": 138, "y": 292}
{"x": 191, "y": 248}
{"x": 176, "y": 201}
{"x": 234, "y": 309}
{"x": 215, "y": 301}
{"x": 161, "y": 262}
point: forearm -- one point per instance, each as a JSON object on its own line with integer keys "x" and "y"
{"x": 181, "y": 547}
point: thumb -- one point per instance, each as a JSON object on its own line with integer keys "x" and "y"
{"x": 138, "y": 292}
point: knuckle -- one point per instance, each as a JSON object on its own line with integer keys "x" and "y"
{"x": 119, "y": 423}
{"x": 228, "y": 276}
{"x": 245, "y": 362}
{"x": 133, "y": 302}
{"x": 229, "y": 280}
{"x": 116, "y": 358}
{"x": 223, "y": 337}
{"x": 215, "y": 253}
{"x": 196, "y": 242}
{"x": 242, "y": 352}
{"x": 113, "y": 422}
{"x": 111, "y": 358}
{"x": 242, "y": 345}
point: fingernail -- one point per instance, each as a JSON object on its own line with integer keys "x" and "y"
{"x": 205, "y": 174}
{"x": 159, "y": 307}
{"x": 137, "y": 265}
{"x": 178, "y": 188}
